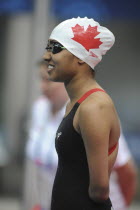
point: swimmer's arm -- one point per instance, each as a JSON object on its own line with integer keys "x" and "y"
{"x": 95, "y": 125}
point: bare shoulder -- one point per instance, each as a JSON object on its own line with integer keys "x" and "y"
{"x": 97, "y": 103}
{"x": 97, "y": 116}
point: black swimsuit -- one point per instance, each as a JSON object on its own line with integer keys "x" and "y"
{"x": 70, "y": 189}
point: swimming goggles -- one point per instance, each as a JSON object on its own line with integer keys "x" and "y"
{"x": 54, "y": 47}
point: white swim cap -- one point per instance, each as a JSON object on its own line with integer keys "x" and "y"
{"x": 84, "y": 38}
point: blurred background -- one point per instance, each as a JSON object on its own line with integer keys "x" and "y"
{"x": 25, "y": 26}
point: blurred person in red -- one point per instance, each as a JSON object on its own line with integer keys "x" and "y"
{"x": 123, "y": 178}
{"x": 41, "y": 159}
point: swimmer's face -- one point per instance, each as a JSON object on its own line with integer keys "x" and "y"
{"x": 61, "y": 64}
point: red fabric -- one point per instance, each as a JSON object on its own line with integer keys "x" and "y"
{"x": 89, "y": 93}
{"x": 112, "y": 149}
{"x": 36, "y": 207}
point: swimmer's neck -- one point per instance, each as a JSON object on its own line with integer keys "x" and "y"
{"x": 78, "y": 86}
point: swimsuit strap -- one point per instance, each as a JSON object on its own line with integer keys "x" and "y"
{"x": 89, "y": 93}
{"x": 111, "y": 150}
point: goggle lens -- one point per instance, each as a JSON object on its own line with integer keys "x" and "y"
{"x": 55, "y": 48}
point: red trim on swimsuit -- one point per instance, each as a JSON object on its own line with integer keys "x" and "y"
{"x": 88, "y": 93}
{"x": 83, "y": 98}
{"x": 112, "y": 149}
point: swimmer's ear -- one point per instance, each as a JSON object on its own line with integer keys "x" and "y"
{"x": 80, "y": 61}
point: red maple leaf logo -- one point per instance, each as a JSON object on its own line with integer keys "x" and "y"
{"x": 87, "y": 38}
